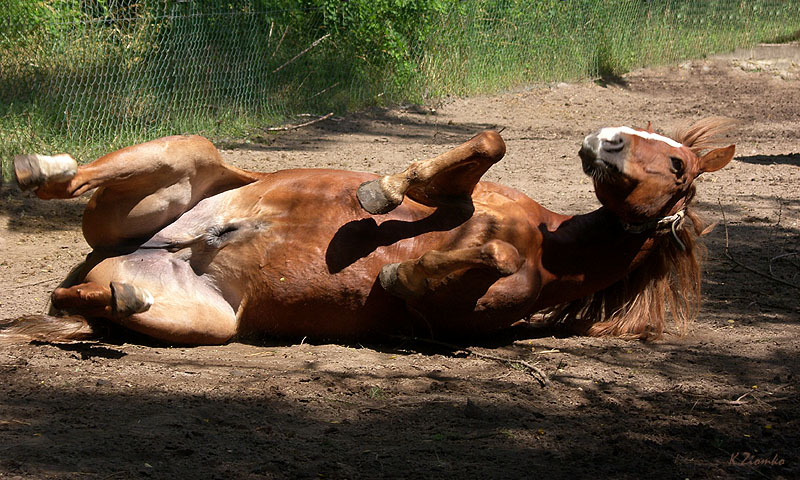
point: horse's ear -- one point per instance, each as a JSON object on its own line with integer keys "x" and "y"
{"x": 716, "y": 159}
{"x": 650, "y": 127}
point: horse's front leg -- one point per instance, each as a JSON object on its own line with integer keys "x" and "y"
{"x": 413, "y": 279}
{"x": 445, "y": 180}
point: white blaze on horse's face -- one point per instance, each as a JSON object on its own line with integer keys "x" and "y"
{"x": 608, "y": 148}
{"x": 610, "y": 133}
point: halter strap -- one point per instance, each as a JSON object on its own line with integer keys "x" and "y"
{"x": 673, "y": 222}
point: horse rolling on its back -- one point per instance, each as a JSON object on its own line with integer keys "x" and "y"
{"x": 190, "y": 250}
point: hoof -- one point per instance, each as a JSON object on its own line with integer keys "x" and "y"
{"x": 373, "y": 199}
{"x": 127, "y": 299}
{"x": 33, "y": 171}
{"x": 390, "y": 282}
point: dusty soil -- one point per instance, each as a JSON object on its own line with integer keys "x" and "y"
{"x": 721, "y": 402}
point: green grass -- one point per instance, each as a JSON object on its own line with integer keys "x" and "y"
{"x": 87, "y": 80}
{"x": 489, "y": 49}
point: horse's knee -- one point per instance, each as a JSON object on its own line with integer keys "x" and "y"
{"x": 502, "y": 256}
{"x": 430, "y": 263}
{"x": 412, "y": 278}
{"x": 490, "y": 144}
{"x": 399, "y": 280}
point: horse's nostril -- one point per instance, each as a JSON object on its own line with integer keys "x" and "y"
{"x": 614, "y": 144}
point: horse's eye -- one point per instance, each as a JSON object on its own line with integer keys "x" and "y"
{"x": 677, "y": 165}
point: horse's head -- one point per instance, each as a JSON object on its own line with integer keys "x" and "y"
{"x": 647, "y": 181}
{"x": 641, "y": 175}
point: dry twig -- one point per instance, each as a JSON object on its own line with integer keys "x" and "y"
{"x": 316, "y": 42}
{"x": 778, "y": 257}
{"x": 323, "y": 90}
{"x": 730, "y": 257}
{"x": 301, "y": 125}
{"x": 537, "y": 373}
{"x": 38, "y": 282}
{"x": 280, "y": 42}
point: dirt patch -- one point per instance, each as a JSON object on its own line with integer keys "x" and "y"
{"x": 721, "y": 402}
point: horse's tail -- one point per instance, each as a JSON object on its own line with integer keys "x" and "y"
{"x": 46, "y": 328}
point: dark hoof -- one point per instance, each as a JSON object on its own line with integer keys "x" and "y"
{"x": 127, "y": 299}
{"x": 392, "y": 284}
{"x": 33, "y": 171}
{"x": 373, "y": 199}
{"x": 27, "y": 172}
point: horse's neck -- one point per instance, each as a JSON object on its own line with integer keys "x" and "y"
{"x": 587, "y": 253}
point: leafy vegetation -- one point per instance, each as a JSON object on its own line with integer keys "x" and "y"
{"x": 87, "y": 76}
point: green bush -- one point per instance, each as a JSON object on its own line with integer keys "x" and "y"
{"x": 87, "y": 76}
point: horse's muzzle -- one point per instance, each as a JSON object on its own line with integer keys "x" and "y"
{"x": 603, "y": 154}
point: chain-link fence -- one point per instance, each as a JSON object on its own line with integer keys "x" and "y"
{"x": 88, "y": 76}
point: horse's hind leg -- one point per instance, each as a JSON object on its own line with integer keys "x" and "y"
{"x": 158, "y": 162}
{"x": 114, "y": 301}
{"x": 446, "y": 179}
{"x": 33, "y": 171}
{"x": 140, "y": 189}
{"x": 155, "y": 295}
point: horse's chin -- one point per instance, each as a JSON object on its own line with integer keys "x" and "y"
{"x": 599, "y": 168}
{"x": 604, "y": 173}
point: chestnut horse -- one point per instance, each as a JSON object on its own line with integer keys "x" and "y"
{"x": 189, "y": 250}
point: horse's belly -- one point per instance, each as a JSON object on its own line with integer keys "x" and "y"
{"x": 301, "y": 295}
{"x": 297, "y": 256}
{"x": 294, "y": 283}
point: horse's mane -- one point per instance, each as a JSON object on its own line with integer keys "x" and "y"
{"x": 703, "y": 134}
{"x": 667, "y": 280}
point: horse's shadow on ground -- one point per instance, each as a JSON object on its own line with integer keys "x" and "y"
{"x": 448, "y": 346}
{"x": 273, "y": 435}
{"x": 87, "y": 350}
{"x": 102, "y": 345}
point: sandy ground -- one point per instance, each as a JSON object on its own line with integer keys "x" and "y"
{"x": 721, "y": 402}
